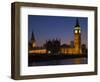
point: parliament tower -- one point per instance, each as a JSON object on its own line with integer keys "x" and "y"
{"x": 33, "y": 40}
{"x": 77, "y": 37}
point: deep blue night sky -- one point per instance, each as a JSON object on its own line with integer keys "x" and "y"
{"x": 52, "y": 27}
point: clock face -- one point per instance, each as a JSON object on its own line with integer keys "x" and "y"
{"x": 76, "y": 31}
{"x": 79, "y": 31}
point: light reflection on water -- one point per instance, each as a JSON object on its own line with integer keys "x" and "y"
{"x": 59, "y": 62}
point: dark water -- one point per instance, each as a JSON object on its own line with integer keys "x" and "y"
{"x": 59, "y": 62}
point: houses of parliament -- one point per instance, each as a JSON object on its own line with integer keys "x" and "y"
{"x": 74, "y": 48}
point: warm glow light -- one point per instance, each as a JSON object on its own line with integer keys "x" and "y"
{"x": 49, "y": 52}
{"x": 76, "y": 31}
{"x": 79, "y": 31}
{"x": 38, "y": 51}
{"x": 33, "y": 45}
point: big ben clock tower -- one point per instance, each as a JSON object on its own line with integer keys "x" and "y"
{"x": 77, "y": 38}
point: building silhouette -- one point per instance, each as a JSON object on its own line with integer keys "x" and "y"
{"x": 73, "y": 48}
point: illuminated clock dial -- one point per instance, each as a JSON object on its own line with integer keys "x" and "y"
{"x": 76, "y": 31}
{"x": 79, "y": 31}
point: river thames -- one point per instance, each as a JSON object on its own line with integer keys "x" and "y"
{"x": 68, "y": 61}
